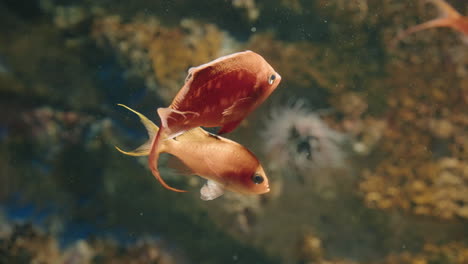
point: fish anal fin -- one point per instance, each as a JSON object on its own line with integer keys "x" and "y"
{"x": 211, "y": 190}
{"x": 229, "y": 127}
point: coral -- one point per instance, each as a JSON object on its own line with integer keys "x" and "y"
{"x": 42, "y": 68}
{"x": 52, "y": 129}
{"x": 68, "y": 16}
{"x": 423, "y": 154}
{"x": 311, "y": 251}
{"x": 308, "y": 63}
{"x": 453, "y": 253}
{"x": 27, "y": 244}
{"x": 249, "y": 6}
{"x": 143, "y": 251}
{"x": 159, "y": 54}
{"x": 402, "y": 107}
{"x": 439, "y": 189}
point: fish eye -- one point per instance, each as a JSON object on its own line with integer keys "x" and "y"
{"x": 272, "y": 79}
{"x": 257, "y": 178}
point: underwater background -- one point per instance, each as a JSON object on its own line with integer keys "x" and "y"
{"x": 365, "y": 143}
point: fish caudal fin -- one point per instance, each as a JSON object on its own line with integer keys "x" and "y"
{"x": 438, "y": 22}
{"x": 151, "y": 147}
{"x": 152, "y": 130}
{"x": 446, "y": 18}
{"x": 153, "y": 161}
{"x": 445, "y": 9}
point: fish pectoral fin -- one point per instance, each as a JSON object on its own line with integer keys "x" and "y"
{"x": 239, "y": 105}
{"x": 152, "y": 130}
{"x": 211, "y": 190}
{"x": 242, "y": 105}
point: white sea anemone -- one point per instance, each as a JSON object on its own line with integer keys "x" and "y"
{"x": 298, "y": 138}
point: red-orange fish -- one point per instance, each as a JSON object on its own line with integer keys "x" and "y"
{"x": 449, "y": 17}
{"x": 223, "y": 162}
{"x": 220, "y": 93}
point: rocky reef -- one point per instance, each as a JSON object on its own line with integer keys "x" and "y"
{"x": 365, "y": 141}
{"x": 25, "y": 243}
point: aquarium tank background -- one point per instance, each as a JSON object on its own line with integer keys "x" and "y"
{"x": 365, "y": 140}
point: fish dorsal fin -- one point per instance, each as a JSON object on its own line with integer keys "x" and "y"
{"x": 445, "y": 10}
{"x": 211, "y": 190}
{"x": 152, "y": 130}
{"x": 194, "y": 134}
{"x": 190, "y": 72}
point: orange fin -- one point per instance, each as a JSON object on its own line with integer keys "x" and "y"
{"x": 211, "y": 190}
{"x": 438, "y": 22}
{"x": 446, "y": 18}
{"x": 151, "y": 128}
{"x": 153, "y": 162}
{"x": 445, "y": 9}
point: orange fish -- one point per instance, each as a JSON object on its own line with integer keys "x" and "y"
{"x": 219, "y": 93}
{"x": 226, "y": 164}
{"x": 449, "y": 17}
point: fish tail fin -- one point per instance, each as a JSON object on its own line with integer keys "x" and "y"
{"x": 438, "y": 22}
{"x": 447, "y": 17}
{"x": 445, "y": 10}
{"x": 153, "y": 161}
{"x": 151, "y": 128}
